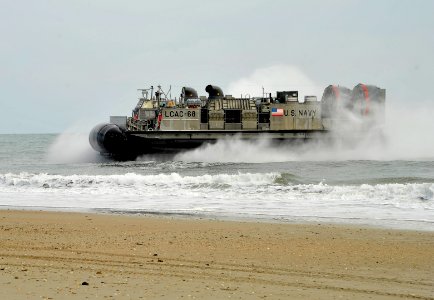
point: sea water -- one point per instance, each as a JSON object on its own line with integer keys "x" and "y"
{"x": 228, "y": 180}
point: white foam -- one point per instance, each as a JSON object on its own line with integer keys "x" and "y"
{"x": 133, "y": 180}
{"x": 241, "y": 194}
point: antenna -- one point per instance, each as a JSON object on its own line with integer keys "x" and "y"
{"x": 144, "y": 92}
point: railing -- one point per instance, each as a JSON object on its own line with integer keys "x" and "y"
{"x": 136, "y": 125}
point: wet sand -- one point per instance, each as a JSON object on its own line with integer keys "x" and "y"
{"x": 51, "y": 255}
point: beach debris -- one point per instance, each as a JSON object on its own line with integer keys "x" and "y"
{"x": 85, "y": 283}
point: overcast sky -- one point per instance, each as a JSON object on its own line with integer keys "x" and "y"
{"x": 69, "y": 62}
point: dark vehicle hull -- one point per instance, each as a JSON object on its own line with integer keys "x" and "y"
{"x": 136, "y": 143}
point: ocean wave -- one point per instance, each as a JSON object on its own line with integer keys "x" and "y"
{"x": 277, "y": 196}
{"x": 257, "y": 184}
{"x": 147, "y": 163}
{"x": 387, "y": 180}
{"x": 134, "y": 180}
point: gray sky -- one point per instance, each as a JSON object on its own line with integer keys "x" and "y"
{"x": 69, "y": 62}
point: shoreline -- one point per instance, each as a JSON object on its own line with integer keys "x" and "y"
{"x": 411, "y": 225}
{"x": 72, "y": 255}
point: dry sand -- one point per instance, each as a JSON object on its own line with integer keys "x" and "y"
{"x": 50, "y": 255}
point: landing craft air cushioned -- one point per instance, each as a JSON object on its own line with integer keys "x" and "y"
{"x": 162, "y": 124}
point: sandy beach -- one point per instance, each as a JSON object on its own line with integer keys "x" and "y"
{"x": 53, "y": 255}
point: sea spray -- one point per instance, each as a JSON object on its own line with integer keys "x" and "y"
{"x": 72, "y": 146}
{"x": 406, "y": 134}
{"x": 274, "y": 78}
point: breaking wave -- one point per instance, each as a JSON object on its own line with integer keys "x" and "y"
{"x": 252, "y": 195}
{"x": 283, "y": 184}
{"x": 134, "y": 180}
